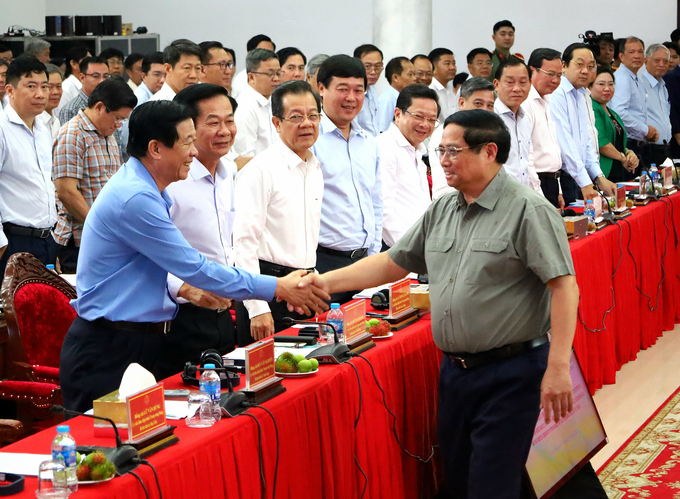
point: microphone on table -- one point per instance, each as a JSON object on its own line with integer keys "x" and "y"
{"x": 233, "y": 403}
{"x": 124, "y": 457}
{"x": 337, "y": 353}
{"x": 609, "y": 216}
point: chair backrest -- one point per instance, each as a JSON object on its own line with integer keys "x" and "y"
{"x": 37, "y": 311}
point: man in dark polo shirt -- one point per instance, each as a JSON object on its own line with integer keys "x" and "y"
{"x": 501, "y": 279}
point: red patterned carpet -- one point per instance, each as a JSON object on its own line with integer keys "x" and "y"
{"x": 648, "y": 464}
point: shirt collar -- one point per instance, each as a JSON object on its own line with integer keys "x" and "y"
{"x": 292, "y": 159}
{"x": 627, "y": 71}
{"x": 393, "y": 91}
{"x": 144, "y": 174}
{"x": 568, "y": 87}
{"x": 14, "y": 117}
{"x": 402, "y": 142}
{"x": 645, "y": 74}
{"x": 437, "y": 85}
{"x": 87, "y": 122}
{"x": 501, "y": 108}
{"x": 327, "y": 126}
{"x": 489, "y": 196}
{"x": 199, "y": 171}
{"x": 259, "y": 98}
{"x": 534, "y": 95}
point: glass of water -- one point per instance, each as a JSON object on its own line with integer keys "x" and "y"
{"x": 52, "y": 480}
{"x": 200, "y": 411}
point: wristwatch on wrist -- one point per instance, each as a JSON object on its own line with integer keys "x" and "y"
{"x": 623, "y": 155}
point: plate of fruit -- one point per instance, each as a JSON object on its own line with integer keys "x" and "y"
{"x": 94, "y": 468}
{"x": 379, "y": 329}
{"x": 289, "y": 365}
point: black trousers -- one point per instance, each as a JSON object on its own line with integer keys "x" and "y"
{"x": 486, "y": 421}
{"x": 68, "y": 256}
{"x": 570, "y": 189}
{"x": 326, "y": 263}
{"x": 94, "y": 358}
{"x": 44, "y": 249}
{"x": 649, "y": 154}
{"x": 194, "y": 330}
{"x": 551, "y": 190}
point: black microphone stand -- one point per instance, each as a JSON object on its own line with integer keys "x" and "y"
{"x": 337, "y": 353}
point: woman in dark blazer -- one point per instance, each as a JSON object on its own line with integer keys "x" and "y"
{"x": 616, "y": 161}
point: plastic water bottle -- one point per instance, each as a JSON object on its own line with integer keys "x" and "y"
{"x": 589, "y": 211}
{"x": 210, "y": 385}
{"x": 336, "y": 317}
{"x": 654, "y": 173}
{"x": 64, "y": 447}
{"x": 50, "y": 267}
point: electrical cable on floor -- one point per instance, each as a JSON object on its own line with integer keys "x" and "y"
{"x": 356, "y": 422}
{"x": 276, "y": 430}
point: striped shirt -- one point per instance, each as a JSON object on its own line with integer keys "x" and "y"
{"x": 81, "y": 152}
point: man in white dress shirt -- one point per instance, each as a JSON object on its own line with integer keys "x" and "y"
{"x": 372, "y": 59}
{"x": 444, "y": 64}
{"x": 72, "y": 84}
{"x": 512, "y": 84}
{"x": 278, "y": 202}
{"x": 182, "y": 61}
{"x": 203, "y": 210}
{"x": 27, "y": 203}
{"x": 3, "y": 76}
{"x": 54, "y": 97}
{"x": 406, "y": 193}
{"x": 254, "y": 117}
{"x": 153, "y": 77}
{"x": 133, "y": 68}
{"x": 401, "y": 73}
{"x": 240, "y": 81}
{"x": 546, "y": 72}
{"x": 475, "y": 93}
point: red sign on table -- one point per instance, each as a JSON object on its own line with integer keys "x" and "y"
{"x": 260, "y": 363}
{"x": 354, "y": 322}
{"x": 400, "y": 297}
{"x": 621, "y": 198}
{"x": 146, "y": 412}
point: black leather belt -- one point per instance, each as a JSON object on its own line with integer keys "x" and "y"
{"x": 140, "y": 327}
{"x": 19, "y": 230}
{"x": 554, "y": 175}
{"x": 356, "y": 254}
{"x": 472, "y": 360}
{"x": 15, "y": 485}
{"x": 276, "y": 270}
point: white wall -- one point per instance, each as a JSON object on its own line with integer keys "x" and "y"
{"x": 26, "y": 13}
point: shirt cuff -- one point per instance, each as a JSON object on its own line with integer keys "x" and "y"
{"x": 265, "y": 286}
{"x": 174, "y": 283}
{"x": 256, "y": 307}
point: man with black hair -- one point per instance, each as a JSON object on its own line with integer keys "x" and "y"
{"x": 241, "y": 79}
{"x": 400, "y": 73}
{"x": 6, "y": 53}
{"x": 406, "y": 192}
{"x": 217, "y": 64}
{"x": 133, "y": 69}
{"x": 27, "y": 204}
{"x": 292, "y": 63}
{"x": 372, "y": 59}
{"x": 504, "y": 38}
{"x": 93, "y": 70}
{"x": 607, "y": 48}
{"x": 153, "y": 77}
{"x": 85, "y": 157}
{"x": 479, "y": 63}
{"x": 278, "y": 207}
{"x": 444, "y": 64}
{"x": 203, "y": 210}
{"x": 254, "y": 117}
{"x": 72, "y": 82}
{"x": 114, "y": 60}
{"x": 424, "y": 69}
{"x": 546, "y": 72}
{"x": 182, "y": 62}
{"x": 3, "y": 77}
{"x": 501, "y": 279}
{"x": 351, "y": 213}
{"x": 129, "y": 246}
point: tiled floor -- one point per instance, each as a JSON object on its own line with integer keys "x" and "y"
{"x": 641, "y": 387}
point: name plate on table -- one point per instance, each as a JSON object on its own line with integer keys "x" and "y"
{"x": 667, "y": 173}
{"x": 146, "y": 413}
{"x": 621, "y": 197}
{"x": 260, "y": 364}
{"x": 400, "y": 297}
{"x": 354, "y": 322}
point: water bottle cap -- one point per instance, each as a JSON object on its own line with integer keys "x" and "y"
{"x": 654, "y": 164}
{"x": 50, "y": 266}
{"x": 208, "y": 366}
{"x": 335, "y": 305}
{"x": 589, "y": 201}
{"x": 63, "y": 428}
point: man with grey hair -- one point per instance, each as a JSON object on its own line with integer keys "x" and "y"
{"x": 630, "y": 101}
{"x": 254, "y": 115}
{"x": 313, "y": 68}
{"x": 658, "y": 105}
{"x": 39, "y": 48}
{"x": 475, "y": 93}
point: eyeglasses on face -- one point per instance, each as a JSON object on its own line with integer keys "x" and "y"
{"x": 223, "y": 65}
{"x": 453, "y": 151}
{"x": 433, "y": 122}
{"x": 299, "y": 119}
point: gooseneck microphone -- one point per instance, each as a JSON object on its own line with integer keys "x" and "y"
{"x": 337, "y": 353}
{"x": 124, "y": 457}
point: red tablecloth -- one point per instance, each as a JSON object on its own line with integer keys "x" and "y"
{"x": 642, "y": 306}
{"x": 318, "y": 440}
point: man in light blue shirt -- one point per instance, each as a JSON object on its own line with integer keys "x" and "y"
{"x": 401, "y": 73}
{"x": 630, "y": 100}
{"x": 153, "y": 77}
{"x": 372, "y": 59}
{"x": 352, "y": 209}
{"x": 129, "y": 245}
{"x": 580, "y": 164}
{"x": 658, "y": 102}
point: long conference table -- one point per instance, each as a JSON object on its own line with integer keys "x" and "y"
{"x": 316, "y": 416}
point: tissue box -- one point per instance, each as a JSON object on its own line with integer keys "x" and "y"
{"x": 420, "y": 296}
{"x": 109, "y": 406}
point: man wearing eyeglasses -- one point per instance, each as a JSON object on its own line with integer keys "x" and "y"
{"x": 424, "y": 69}
{"x": 85, "y": 156}
{"x": 406, "y": 193}
{"x": 93, "y": 70}
{"x": 580, "y": 163}
{"x": 501, "y": 278}
{"x": 546, "y": 73}
{"x": 372, "y": 59}
{"x": 278, "y": 207}
{"x": 254, "y": 116}
{"x": 217, "y": 65}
